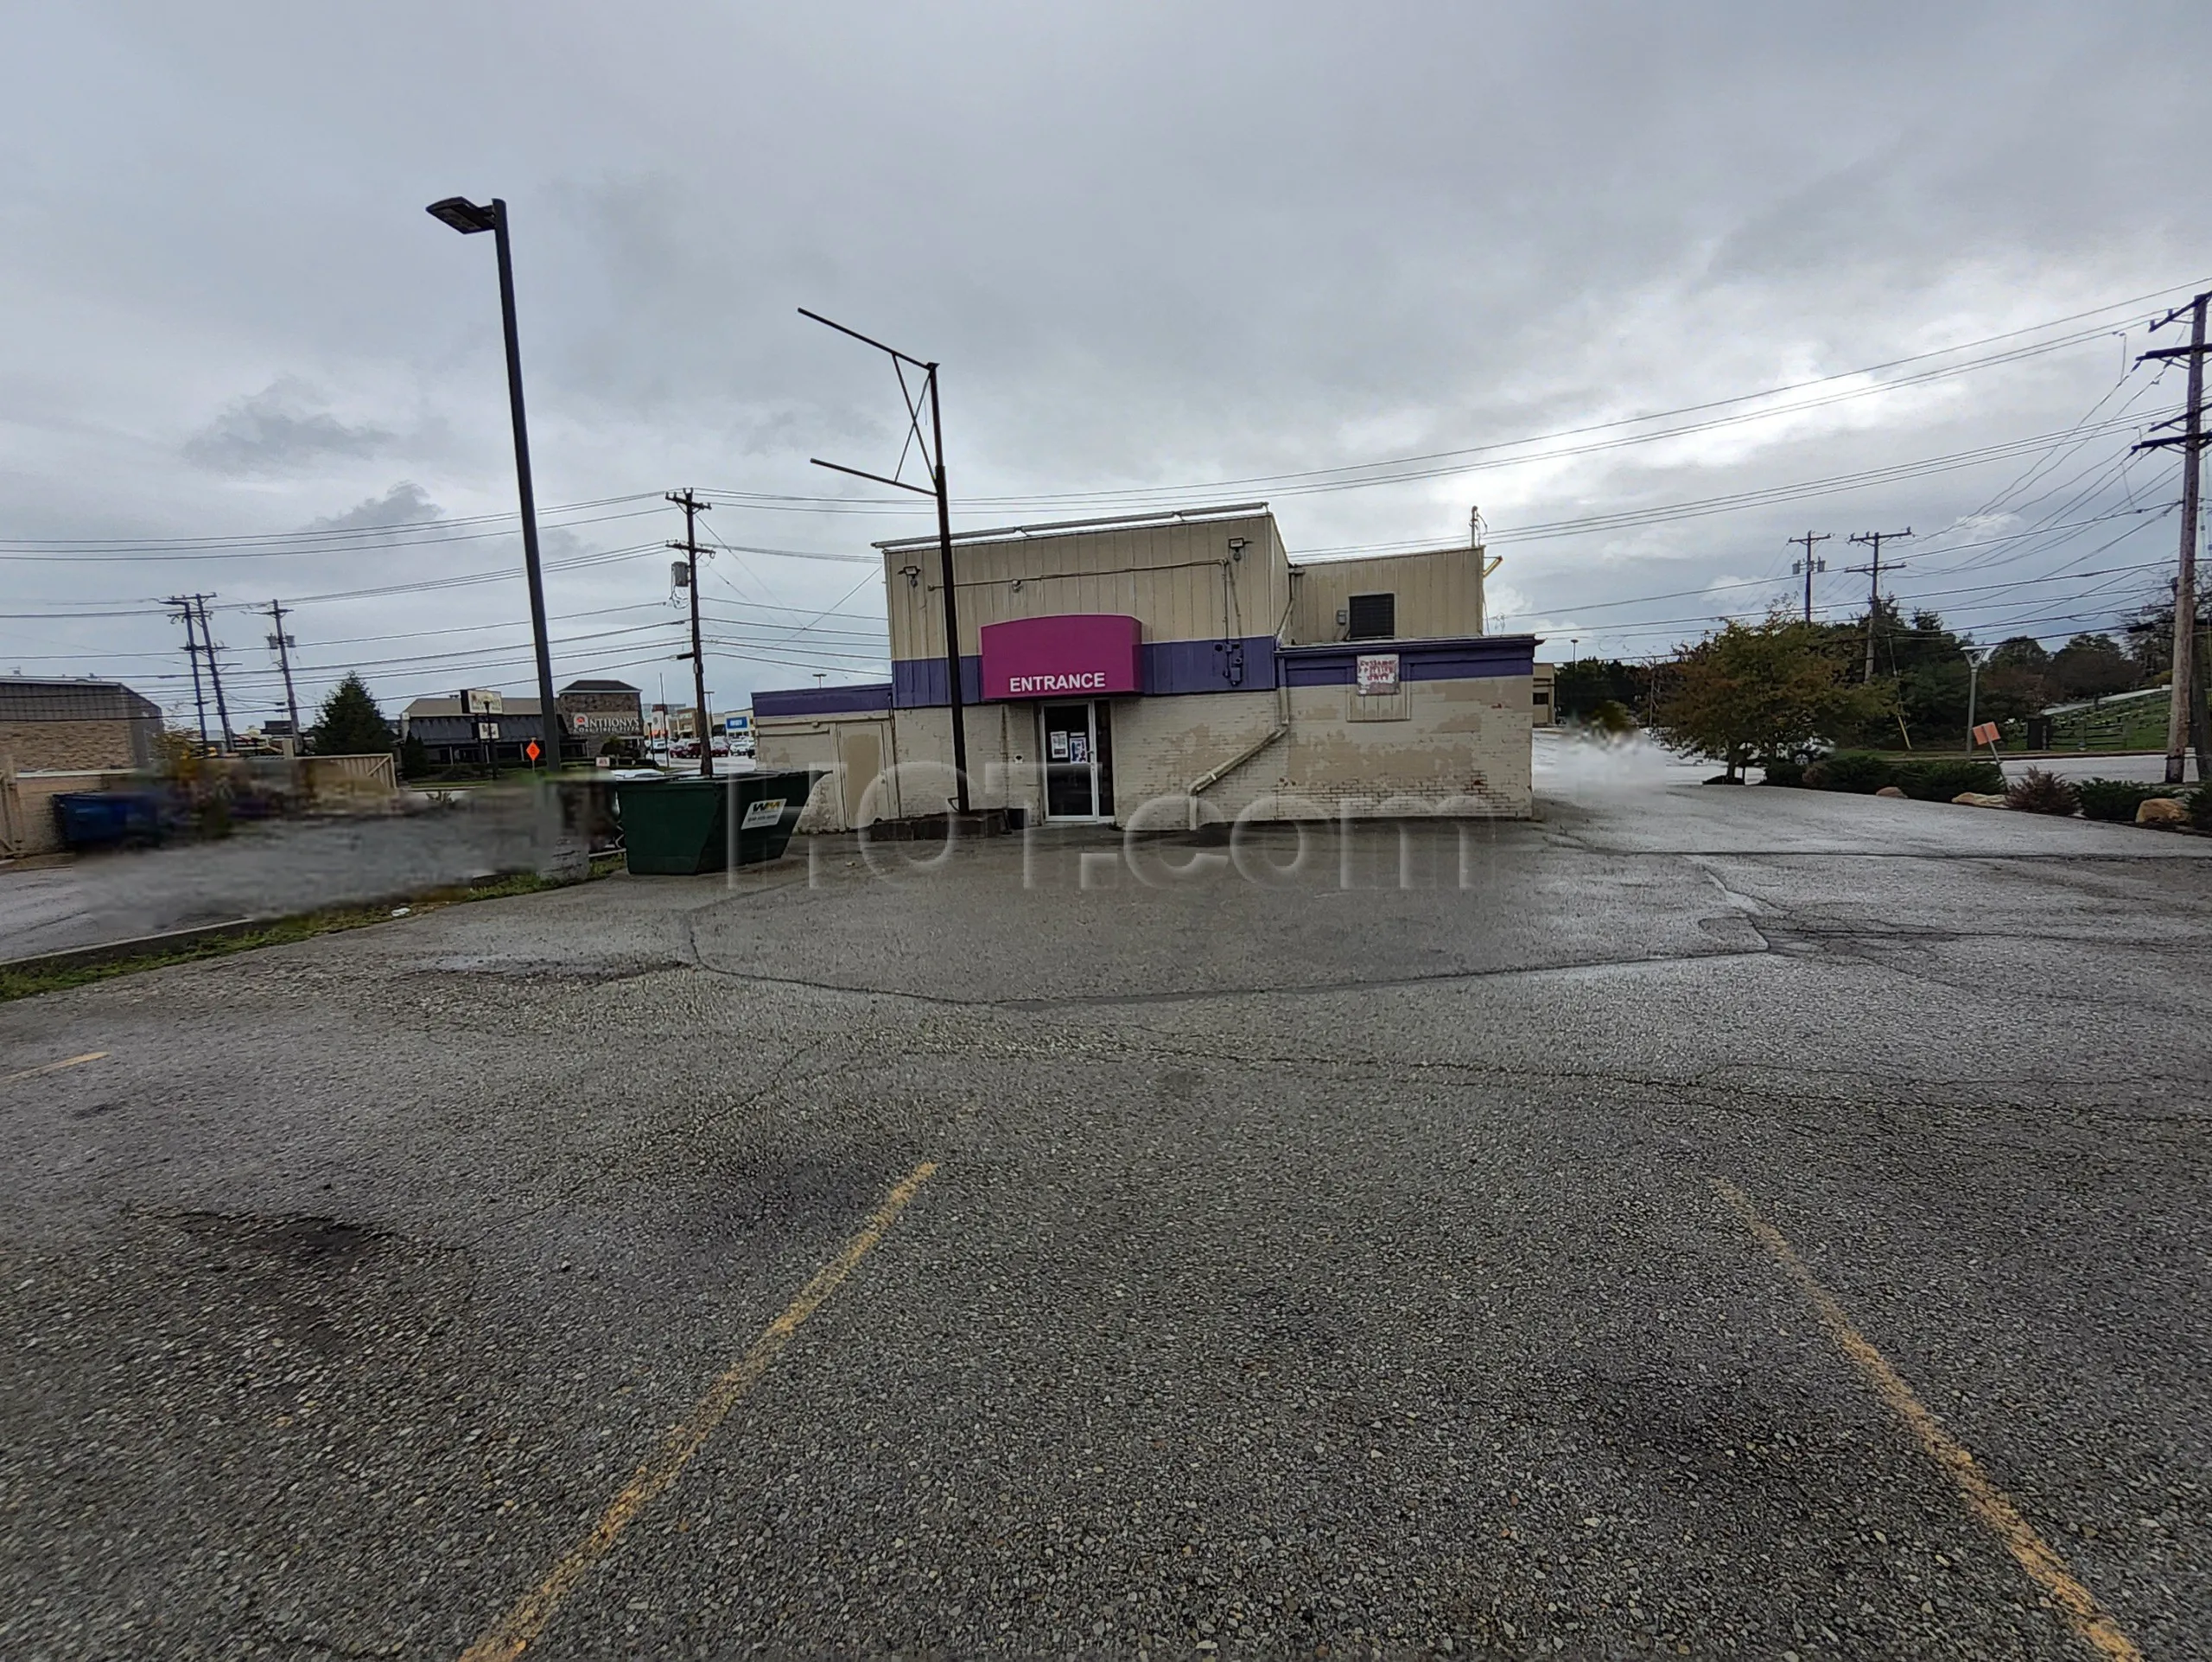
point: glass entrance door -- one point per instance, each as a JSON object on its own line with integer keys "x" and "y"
{"x": 1079, "y": 762}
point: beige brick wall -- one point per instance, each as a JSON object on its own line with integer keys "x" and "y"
{"x": 1456, "y": 746}
{"x": 1162, "y": 745}
{"x": 1457, "y": 743}
{"x": 55, "y": 745}
{"x": 1458, "y": 740}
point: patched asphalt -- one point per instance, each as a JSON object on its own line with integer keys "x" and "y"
{"x": 1307, "y": 1269}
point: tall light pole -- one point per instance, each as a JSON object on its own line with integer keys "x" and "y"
{"x": 1976, "y": 657}
{"x": 931, "y": 447}
{"x": 468, "y": 217}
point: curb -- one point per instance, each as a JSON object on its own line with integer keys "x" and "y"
{"x": 176, "y": 940}
{"x": 73, "y": 957}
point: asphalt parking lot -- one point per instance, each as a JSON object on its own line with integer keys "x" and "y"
{"x": 1706, "y": 1221}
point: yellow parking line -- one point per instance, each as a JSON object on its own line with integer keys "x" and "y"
{"x": 1983, "y": 1498}
{"x": 513, "y": 1633}
{"x": 54, "y": 1067}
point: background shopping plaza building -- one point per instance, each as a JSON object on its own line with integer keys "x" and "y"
{"x": 1105, "y": 664}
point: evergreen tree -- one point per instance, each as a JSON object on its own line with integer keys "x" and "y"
{"x": 349, "y": 724}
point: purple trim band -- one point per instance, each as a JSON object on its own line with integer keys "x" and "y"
{"x": 823, "y": 701}
{"x": 918, "y": 683}
{"x": 1178, "y": 667}
{"x": 1170, "y": 668}
{"x": 1464, "y": 658}
{"x": 1183, "y": 666}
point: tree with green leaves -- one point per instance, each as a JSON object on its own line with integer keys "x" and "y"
{"x": 1580, "y": 685}
{"x": 1759, "y": 690}
{"x": 2092, "y": 666}
{"x": 349, "y": 724}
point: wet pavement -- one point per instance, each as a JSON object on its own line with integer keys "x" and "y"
{"x": 1515, "y": 1244}
{"x": 268, "y": 869}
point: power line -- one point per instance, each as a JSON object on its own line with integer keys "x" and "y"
{"x": 1307, "y": 480}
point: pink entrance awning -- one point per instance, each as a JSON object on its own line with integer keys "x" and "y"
{"x": 1076, "y": 655}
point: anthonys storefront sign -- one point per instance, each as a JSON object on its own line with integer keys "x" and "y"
{"x": 1083, "y": 654}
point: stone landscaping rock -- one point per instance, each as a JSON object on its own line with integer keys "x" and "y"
{"x": 1891, "y": 791}
{"x": 2160, "y": 811}
{"x": 1979, "y": 800}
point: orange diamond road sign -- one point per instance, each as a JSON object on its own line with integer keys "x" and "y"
{"x": 1986, "y": 733}
{"x": 531, "y": 749}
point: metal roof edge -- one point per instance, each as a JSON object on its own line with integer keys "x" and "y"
{"x": 1117, "y": 522}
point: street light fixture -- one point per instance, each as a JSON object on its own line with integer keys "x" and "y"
{"x": 1975, "y": 656}
{"x": 469, "y": 218}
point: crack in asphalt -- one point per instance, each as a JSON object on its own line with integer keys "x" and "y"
{"x": 1199, "y": 995}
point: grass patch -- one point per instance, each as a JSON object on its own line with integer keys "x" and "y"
{"x": 283, "y": 932}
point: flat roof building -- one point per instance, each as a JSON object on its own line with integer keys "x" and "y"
{"x": 1181, "y": 658}
{"x": 490, "y": 727}
{"x": 62, "y": 723}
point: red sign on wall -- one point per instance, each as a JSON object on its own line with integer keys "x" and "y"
{"x": 1076, "y": 655}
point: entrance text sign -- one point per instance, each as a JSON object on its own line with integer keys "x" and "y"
{"x": 1377, "y": 673}
{"x": 1080, "y": 654}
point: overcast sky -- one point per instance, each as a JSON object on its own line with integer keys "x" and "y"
{"x": 1154, "y": 247}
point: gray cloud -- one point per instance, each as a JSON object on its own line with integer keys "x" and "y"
{"x": 284, "y": 428}
{"x": 1151, "y": 245}
{"x": 405, "y": 503}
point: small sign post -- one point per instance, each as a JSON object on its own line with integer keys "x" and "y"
{"x": 531, "y": 750}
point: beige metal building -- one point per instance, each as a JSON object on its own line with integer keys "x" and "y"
{"x": 1546, "y": 698}
{"x": 1172, "y": 668}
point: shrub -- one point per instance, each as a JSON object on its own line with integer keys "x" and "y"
{"x": 1862, "y": 771}
{"x": 1941, "y": 777}
{"x": 1782, "y": 771}
{"x": 1611, "y": 716}
{"x": 2037, "y": 792}
{"x": 2200, "y": 807}
{"x": 2117, "y": 798}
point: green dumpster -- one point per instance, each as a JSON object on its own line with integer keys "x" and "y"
{"x": 679, "y": 827}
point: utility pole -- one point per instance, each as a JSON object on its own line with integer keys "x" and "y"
{"x": 932, "y": 451}
{"x": 1809, "y": 565}
{"x": 693, "y": 507}
{"x": 1874, "y": 539}
{"x": 283, "y": 643}
{"x": 2185, "y": 714}
{"x": 210, "y": 646}
{"x": 183, "y": 604}
{"x": 196, "y": 606}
